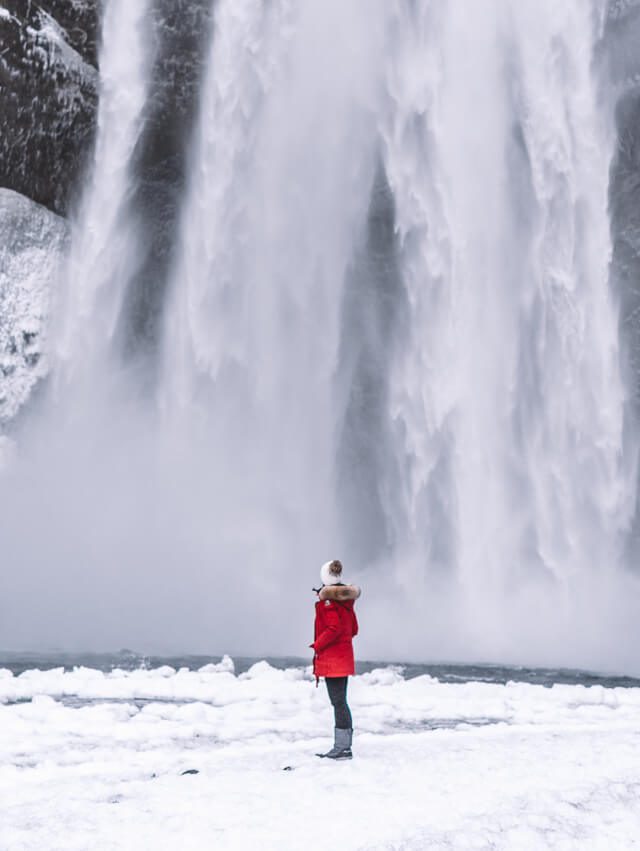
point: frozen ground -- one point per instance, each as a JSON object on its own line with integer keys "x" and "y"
{"x": 93, "y": 760}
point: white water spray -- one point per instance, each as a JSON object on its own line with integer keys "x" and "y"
{"x": 507, "y": 400}
{"x": 104, "y": 252}
{"x": 280, "y": 181}
{"x": 389, "y": 331}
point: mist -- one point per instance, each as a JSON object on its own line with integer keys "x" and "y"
{"x": 376, "y": 310}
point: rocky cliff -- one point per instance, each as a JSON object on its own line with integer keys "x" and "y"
{"x": 48, "y": 96}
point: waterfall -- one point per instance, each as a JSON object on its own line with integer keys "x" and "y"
{"x": 104, "y": 254}
{"x": 274, "y": 209}
{"x": 507, "y": 399}
{"x": 378, "y": 322}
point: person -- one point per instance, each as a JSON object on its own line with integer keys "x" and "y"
{"x": 335, "y": 627}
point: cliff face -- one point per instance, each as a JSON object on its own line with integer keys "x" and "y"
{"x": 48, "y": 96}
{"x": 181, "y": 32}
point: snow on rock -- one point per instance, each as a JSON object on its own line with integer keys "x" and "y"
{"x": 51, "y": 40}
{"x": 32, "y": 244}
{"x": 85, "y": 763}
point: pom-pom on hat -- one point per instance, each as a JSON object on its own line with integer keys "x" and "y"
{"x": 331, "y": 572}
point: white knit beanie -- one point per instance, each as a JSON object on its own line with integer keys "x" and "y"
{"x": 331, "y": 573}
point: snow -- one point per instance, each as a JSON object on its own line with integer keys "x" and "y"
{"x": 32, "y": 246}
{"x": 95, "y": 760}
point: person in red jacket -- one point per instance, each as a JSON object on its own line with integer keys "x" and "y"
{"x": 335, "y": 626}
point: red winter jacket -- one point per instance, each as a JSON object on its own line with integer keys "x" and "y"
{"x": 335, "y": 626}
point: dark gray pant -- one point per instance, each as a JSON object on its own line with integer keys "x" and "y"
{"x": 337, "y": 688}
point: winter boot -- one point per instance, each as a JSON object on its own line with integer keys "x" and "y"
{"x": 341, "y": 746}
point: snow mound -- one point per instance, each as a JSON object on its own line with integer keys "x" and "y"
{"x": 384, "y": 698}
{"x": 32, "y": 244}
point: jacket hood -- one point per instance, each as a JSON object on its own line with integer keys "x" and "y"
{"x": 340, "y": 593}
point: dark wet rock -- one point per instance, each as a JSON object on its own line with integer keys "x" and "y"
{"x": 621, "y": 49}
{"x": 80, "y": 20}
{"x": 181, "y": 31}
{"x": 624, "y": 201}
{"x": 48, "y": 96}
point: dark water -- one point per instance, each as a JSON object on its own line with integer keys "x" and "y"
{"x": 447, "y": 673}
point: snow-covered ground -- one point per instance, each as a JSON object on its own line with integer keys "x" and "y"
{"x": 90, "y": 760}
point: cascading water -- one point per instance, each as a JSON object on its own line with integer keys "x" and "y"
{"x": 270, "y": 221}
{"x": 387, "y": 332}
{"x": 506, "y": 400}
{"x": 104, "y": 253}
